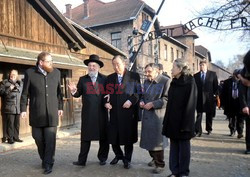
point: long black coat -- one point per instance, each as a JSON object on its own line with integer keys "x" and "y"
{"x": 94, "y": 114}
{"x": 207, "y": 92}
{"x": 179, "y": 119}
{"x": 123, "y": 122}
{"x": 45, "y": 98}
{"x": 231, "y": 106}
{"x": 11, "y": 98}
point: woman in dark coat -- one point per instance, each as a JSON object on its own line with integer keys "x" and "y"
{"x": 178, "y": 124}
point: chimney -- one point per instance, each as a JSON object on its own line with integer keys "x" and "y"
{"x": 68, "y": 11}
{"x": 86, "y": 9}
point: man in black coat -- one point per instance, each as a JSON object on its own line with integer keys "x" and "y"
{"x": 231, "y": 104}
{"x": 43, "y": 88}
{"x": 123, "y": 88}
{"x": 207, "y": 84}
{"x": 94, "y": 114}
{"x": 11, "y": 90}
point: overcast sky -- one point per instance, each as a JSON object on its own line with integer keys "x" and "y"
{"x": 222, "y": 45}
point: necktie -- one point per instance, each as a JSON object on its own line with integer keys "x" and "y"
{"x": 234, "y": 91}
{"x": 203, "y": 77}
{"x": 119, "y": 79}
{"x": 93, "y": 79}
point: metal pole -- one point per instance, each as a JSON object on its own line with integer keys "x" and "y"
{"x": 133, "y": 58}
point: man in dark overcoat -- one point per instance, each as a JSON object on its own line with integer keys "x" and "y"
{"x": 42, "y": 87}
{"x": 231, "y": 104}
{"x": 123, "y": 88}
{"x": 11, "y": 90}
{"x": 94, "y": 114}
{"x": 207, "y": 84}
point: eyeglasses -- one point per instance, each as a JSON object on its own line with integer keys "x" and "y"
{"x": 48, "y": 61}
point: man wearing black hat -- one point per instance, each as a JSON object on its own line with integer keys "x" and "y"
{"x": 94, "y": 117}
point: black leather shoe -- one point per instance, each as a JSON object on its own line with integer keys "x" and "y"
{"x": 4, "y": 139}
{"x": 208, "y": 132}
{"x": 240, "y": 136}
{"x": 48, "y": 169}
{"x": 126, "y": 165}
{"x": 247, "y": 152}
{"x": 102, "y": 163}
{"x": 79, "y": 163}
{"x": 10, "y": 141}
{"x": 115, "y": 161}
{"x": 18, "y": 140}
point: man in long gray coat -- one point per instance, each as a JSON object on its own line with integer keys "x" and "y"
{"x": 43, "y": 88}
{"x": 94, "y": 115}
{"x": 153, "y": 103}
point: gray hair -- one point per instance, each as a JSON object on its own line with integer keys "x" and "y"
{"x": 183, "y": 65}
{"x": 121, "y": 57}
{"x": 152, "y": 65}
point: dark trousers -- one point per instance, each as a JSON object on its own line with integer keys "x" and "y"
{"x": 4, "y": 123}
{"x": 198, "y": 123}
{"x": 158, "y": 157}
{"x": 13, "y": 124}
{"x": 236, "y": 123}
{"x": 128, "y": 150}
{"x": 179, "y": 157}
{"x": 248, "y": 133}
{"x": 102, "y": 152}
{"x": 45, "y": 138}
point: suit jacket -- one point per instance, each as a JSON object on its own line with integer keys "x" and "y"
{"x": 94, "y": 114}
{"x": 231, "y": 106}
{"x": 11, "y": 98}
{"x": 207, "y": 92}
{"x": 123, "y": 122}
{"x": 45, "y": 97}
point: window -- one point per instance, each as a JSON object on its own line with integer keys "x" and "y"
{"x": 150, "y": 48}
{"x": 177, "y": 53}
{"x": 144, "y": 17}
{"x": 172, "y": 54}
{"x": 182, "y": 54}
{"x": 166, "y": 52}
{"x": 116, "y": 40}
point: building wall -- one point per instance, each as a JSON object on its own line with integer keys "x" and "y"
{"x": 22, "y": 27}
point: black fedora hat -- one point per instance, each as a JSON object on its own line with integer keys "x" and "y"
{"x": 94, "y": 58}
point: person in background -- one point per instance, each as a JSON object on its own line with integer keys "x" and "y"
{"x": 244, "y": 95}
{"x": 94, "y": 115}
{"x": 42, "y": 86}
{"x": 123, "y": 87}
{"x": 207, "y": 84}
{"x": 179, "y": 120}
{"x": 153, "y": 103}
{"x": 164, "y": 73}
{"x": 11, "y": 90}
{"x": 231, "y": 104}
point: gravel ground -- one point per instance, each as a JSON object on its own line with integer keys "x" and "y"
{"x": 212, "y": 155}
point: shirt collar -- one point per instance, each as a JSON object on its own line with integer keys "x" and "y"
{"x": 42, "y": 70}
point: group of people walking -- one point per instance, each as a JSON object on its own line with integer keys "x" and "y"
{"x": 112, "y": 106}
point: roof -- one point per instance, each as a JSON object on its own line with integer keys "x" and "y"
{"x": 203, "y": 51}
{"x": 101, "y": 13}
{"x": 177, "y": 31}
{"x": 25, "y": 56}
{"x": 73, "y": 38}
{"x": 97, "y": 41}
{"x": 174, "y": 41}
